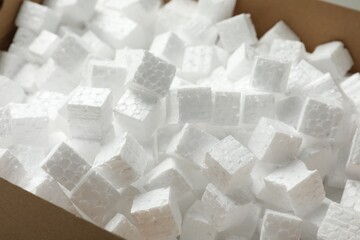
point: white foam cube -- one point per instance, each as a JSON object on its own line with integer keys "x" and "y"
{"x": 118, "y": 30}
{"x": 65, "y": 165}
{"x": 228, "y": 163}
{"x": 320, "y": 119}
{"x": 279, "y": 31}
{"x": 353, "y": 162}
{"x": 222, "y": 211}
{"x": 11, "y": 168}
{"x": 121, "y": 161}
{"x": 216, "y": 10}
{"x": 151, "y": 74}
{"x": 36, "y": 17}
{"x": 287, "y": 51}
{"x": 236, "y": 31}
{"x": 270, "y": 75}
{"x": 350, "y": 197}
{"x": 29, "y": 156}
{"x": 96, "y": 198}
{"x": 339, "y": 223}
{"x": 325, "y": 87}
{"x": 275, "y": 142}
{"x": 189, "y": 104}
{"x": 70, "y": 53}
{"x": 191, "y": 144}
{"x": 10, "y": 63}
{"x": 156, "y": 214}
{"x": 332, "y": 57}
{"x": 89, "y": 112}
{"x": 226, "y": 108}
{"x": 173, "y": 15}
{"x": 26, "y": 77}
{"x": 24, "y": 37}
{"x": 124, "y": 228}
{"x": 240, "y": 62}
{"x": 255, "y": 105}
{"x": 139, "y": 113}
{"x": 288, "y": 110}
{"x": 43, "y": 46}
{"x": 51, "y": 101}
{"x": 350, "y": 86}
{"x": 298, "y": 187}
{"x": 97, "y": 46}
{"x": 10, "y": 91}
{"x": 277, "y": 225}
{"x": 169, "y": 47}
{"x": 217, "y": 81}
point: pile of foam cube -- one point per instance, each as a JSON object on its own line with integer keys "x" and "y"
{"x": 164, "y": 121}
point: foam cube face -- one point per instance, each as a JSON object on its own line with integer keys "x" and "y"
{"x": 10, "y": 91}
{"x": 102, "y": 198}
{"x": 350, "y": 86}
{"x": 353, "y": 162}
{"x": 151, "y": 74}
{"x": 325, "y": 87}
{"x": 121, "y": 161}
{"x": 236, "y": 31}
{"x": 139, "y": 113}
{"x": 156, "y": 214}
{"x": 270, "y": 75}
{"x": 332, "y": 57}
{"x": 89, "y": 112}
{"x": 279, "y": 31}
{"x": 189, "y": 104}
{"x": 339, "y": 223}
{"x": 287, "y": 51}
{"x": 65, "y": 165}
{"x": 319, "y": 119}
{"x": 228, "y": 163}
{"x": 216, "y": 10}
{"x": 350, "y": 197}
{"x": 169, "y": 47}
{"x": 43, "y": 46}
{"x": 297, "y": 187}
{"x": 97, "y": 46}
{"x": 226, "y": 108}
{"x": 26, "y": 77}
{"x": 240, "y": 62}
{"x": 11, "y": 168}
{"x": 191, "y": 144}
{"x": 10, "y": 63}
{"x": 255, "y": 105}
{"x": 70, "y": 53}
{"x": 36, "y": 17}
{"x": 122, "y": 227}
{"x": 278, "y": 226}
{"x": 24, "y": 37}
{"x": 273, "y": 141}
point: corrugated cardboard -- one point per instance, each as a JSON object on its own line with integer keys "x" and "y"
{"x": 25, "y": 216}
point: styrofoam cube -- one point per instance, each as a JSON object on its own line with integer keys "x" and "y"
{"x": 196, "y": 225}
{"x": 228, "y": 163}
{"x": 156, "y": 214}
{"x": 170, "y": 47}
{"x": 339, "y": 223}
{"x": 353, "y": 162}
{"x": 277, "y": 225}
{"x": 217, "y": 81}
{"x": 302, "y": 74}
{"x": 29, "y": 156}
{"x": 324, "y": 87}
{"x": 189, "y": 104}
{"x": 150, "y": 74}
{"x": 319, "y": 118}
{"x": 173, "y": 15}
{"x": 43, "y": 46}
{"x": 297, "y": 187}
{"x": 288, "y": 110}
{"x": 123, "y": 227}
{"x": 139, "y": 113}
{"x": 350, "y": 197}
{"x": 118, "y": 30}
{"x": 279, "y": 31}
{"x": 97, "y": 46}
{"x": 10, "y": 91}
{"x": 216, "y": 10}
{"x": 226, "y": 108}
{"x": 11, "y": 168}
{"x": 270, "y": 75}
{"x": 240, "y": 62}
{"x": 255, "y": 105}
{"x": 70, "y": 53}
{"x": 89, "y": 112}
{"x": 332, "y": 57}
{"x": 51, "y": 101}
{"x": 350, "y": 86}
{"x": 287, "y": 51}
{"x": 10, "y": 63}
{"x": 26, "y": 77}
{"x": 222, "y": 211}
{"x": 107, "y": 74}
{"x": 24, "y": 37}
{"x": 36, "y": 17}
{"x": 235, "y": 31}
{"x": 96, "y": 198}
{"x": 65, "y": 165}
{"x": 191, "y": 144}
{"x": 121, "y": 161}
{"x": 275, "y": 142}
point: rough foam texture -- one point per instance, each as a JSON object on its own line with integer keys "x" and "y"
{"x": 10, "y": 91}
{"x": 124, "y": 228}
{"x": 240, "y": 62}
{"x": 11, "y": 169}
{"x": 287, "y": 50}
{"x": 279, "y": 31}
{"x": 352, "y": 164}
{"x": 350, "y": 197}
{"x": 350, "y": 87}
{"x": 226, "y": 108}
{"x": 255, "y": 105}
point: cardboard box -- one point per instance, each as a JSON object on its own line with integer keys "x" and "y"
{"x": 25, "y": 216}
